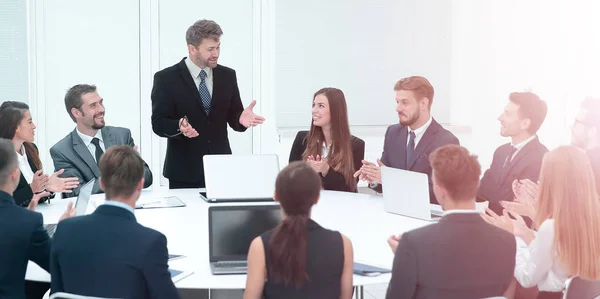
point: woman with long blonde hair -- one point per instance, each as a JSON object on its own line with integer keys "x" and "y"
{"x": 567, "y": 242}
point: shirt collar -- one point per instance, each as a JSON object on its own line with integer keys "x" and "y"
{"x": 460, "y": 211}
{"x": 523, "y": 143}
{"x": 195, "y": 70}
{"x": 22, "y": 157}
{"x": 87, "y": 139}
{"x": 420, "y": 131}
{"x": 119, "y": 204}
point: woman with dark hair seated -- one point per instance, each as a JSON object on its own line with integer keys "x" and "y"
{"x": 329, "y": 147}
{"x": 17, "y": 125}
{"x": 299, "y": 258}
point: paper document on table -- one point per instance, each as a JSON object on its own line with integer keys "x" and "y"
{"x": 159, "y": 202}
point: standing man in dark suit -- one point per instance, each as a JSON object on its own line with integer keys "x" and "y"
{"x": 522, "y": 157}
{"x": 192, "y": 103}
{"x": 408, "y": 144}
{"x": 79, "y": 152}
{"x": 461, "y": 256}
{"x": 22, "y": 234}
{"x": 108, "y": 254}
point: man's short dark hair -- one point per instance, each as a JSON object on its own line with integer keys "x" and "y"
{"x": 121, "y": 169}
{"x": 530, "y": 107}
{"x": 73, "y": 97}
{"x": 8, "y": 160}
{"x": 455, "y": 169}
{"x": 201, "y": 30}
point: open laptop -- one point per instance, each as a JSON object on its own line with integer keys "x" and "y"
{"x": 232, "y": 178}
{"x": 406, "y": 193}
{"x": 231, "y": 229}
{"x": 81, "y": 203}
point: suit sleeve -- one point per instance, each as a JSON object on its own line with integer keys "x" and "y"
{"x": 156, "y": 270}
{"x": 165, "y": 122}
{"x": 297, "y": 148}
{"x": 23, "y": 195}
{"x": 39, "y": 249}
{"x": 384, "y": 159}
{"x": 486, "y": 179}
{"x": 62, "y": 162}
{"x": 147, "y": 171}
{"x": 56, "y": 283}
{"x": 403, "y": 283}
{"x": 235, "y": 108}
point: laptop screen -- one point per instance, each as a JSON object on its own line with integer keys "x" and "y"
{"x": 85, "y": 192}
{"x": 232, "y": 229}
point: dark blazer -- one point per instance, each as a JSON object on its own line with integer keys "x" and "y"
{"x": 333, "y": 180}
{"x": 496, "y": 184}
{"x": 108, "y": 254}
{"x": 22, "y": 238}
{"x": 175, "y": 95}
{"x": 394, "y": 150}
{"x": 459, "y": 257}
{"x": 23, "y": 193}
{"x": 71, "y": 154}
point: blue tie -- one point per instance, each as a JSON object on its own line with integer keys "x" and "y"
{"x": 410, "y": 148}
{"x": 204, "y": 94}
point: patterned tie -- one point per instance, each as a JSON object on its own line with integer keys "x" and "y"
{"x": 99, "y": 152}
{"x": 204, "y": 94}
{"x": 410, "y": 148}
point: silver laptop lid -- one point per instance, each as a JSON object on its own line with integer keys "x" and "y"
{"x": 240, "y": 176}
{"x": 405, "y": 193}
{"x": 85, "y": 192}
{"x": 231, "y": 229}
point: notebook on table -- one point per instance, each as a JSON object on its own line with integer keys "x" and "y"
{"x": 368, "y": 270}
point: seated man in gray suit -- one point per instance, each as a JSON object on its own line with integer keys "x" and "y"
{"x": 79, "y": 152}
{"x": 408, "y": 144}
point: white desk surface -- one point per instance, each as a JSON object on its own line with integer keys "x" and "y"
{"x": 360, "y": 217}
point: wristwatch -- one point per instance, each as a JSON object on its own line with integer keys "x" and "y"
{"x": 373, "y": 185}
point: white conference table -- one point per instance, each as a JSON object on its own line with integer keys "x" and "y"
{"x": 361, "y": 217}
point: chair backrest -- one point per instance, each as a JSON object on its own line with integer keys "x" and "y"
{"x": 61, "y": 295}
{"x": 577, "y": 288}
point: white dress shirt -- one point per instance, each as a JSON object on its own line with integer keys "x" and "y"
{"x": 87, "y": 140}
{"x": 324, "y": 151}
{"x": 419, "y": 132}
{"x": 195, "y": 72}
{"x": 536, "y": 263}
{"x": 24, "y": 166}
{"x": 521, "y": 145}
{"x": 459, "y": 211}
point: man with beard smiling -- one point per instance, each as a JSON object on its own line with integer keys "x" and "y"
{"x": 79, "y": 152}
{"x": 193, "y": 101}
{"x": 408, "y": 144}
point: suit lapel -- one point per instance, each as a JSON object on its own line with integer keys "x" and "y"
{"x": 107, "y": 138}
{"x": 424, "y": 143}
{"x": 217, "y": 87}
{"x": 518, "y": 157}
{"x": 403, "y": 140}
{"x": 189, "y": 82}
{"x": 84, "y": 153}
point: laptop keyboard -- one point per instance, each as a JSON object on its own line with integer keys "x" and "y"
{"x": 50, "y": 229}
{"x": 231, "y": 265}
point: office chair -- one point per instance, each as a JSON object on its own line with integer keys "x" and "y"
{"x": 577, "y": 288}
{"x": 61, "y": 295}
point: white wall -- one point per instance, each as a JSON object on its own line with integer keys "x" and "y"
{"x": 496, "y": 47}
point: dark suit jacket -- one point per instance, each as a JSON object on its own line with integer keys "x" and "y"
{"x": 175, "y": 95}
{"x": 496, "y": 185}
{"x": 108, "y": 254}
{"x": 71, "y": 154}
{"x": 23, "y": 193}
{"x": 459, "y": 257}
{"x": 22, "y": 238}
{"x": 394, "y": 150}
{"x": 333, "y": 180}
